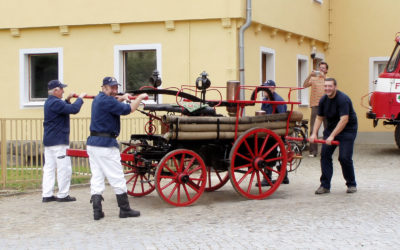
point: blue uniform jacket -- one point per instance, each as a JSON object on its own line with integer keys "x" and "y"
{"x": 106, "y": 112}
{"x": 268, "y": 108}
{"x": 56, "y": 120}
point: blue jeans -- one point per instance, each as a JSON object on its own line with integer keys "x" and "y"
{"x": 346, "y": 147}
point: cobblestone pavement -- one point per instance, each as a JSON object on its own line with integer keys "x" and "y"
{"x": 292, "y": 218}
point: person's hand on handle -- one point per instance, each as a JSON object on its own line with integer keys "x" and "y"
{"x": 69, "y": 97}
{"x": 329, "y": 140}
{"x": 312, "y": 138}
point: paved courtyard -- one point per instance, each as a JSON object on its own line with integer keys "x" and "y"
{"x": 292, "y": 218}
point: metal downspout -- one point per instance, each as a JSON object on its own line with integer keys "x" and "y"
{"x": 241, "y": 47}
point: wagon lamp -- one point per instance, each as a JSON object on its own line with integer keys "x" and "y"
{"x": 155, "y": 80}
{"x": 203, "y": 83}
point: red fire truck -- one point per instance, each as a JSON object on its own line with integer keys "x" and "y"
{"x": 385, "y": 98}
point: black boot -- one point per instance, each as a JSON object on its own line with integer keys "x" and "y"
{"x": 264, "y": 182}
{"x": 97, "y": 208}
{"x": 286, "y": 179}
{"x": 124, "y": 208}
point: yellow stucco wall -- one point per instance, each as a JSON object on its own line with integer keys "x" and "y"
{"x": 43, "y": 13}
{"x": 303, "y": 17}
{"x": 88, "y": 53}
{"x": 361, "y": 29}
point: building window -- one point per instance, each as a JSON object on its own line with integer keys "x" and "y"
{"x": 134, "y": 65}
{"x": 302, "y": 73}
{"x": 37, "y": 68}
{"x": 138, "y": 67}
{"x": 267, "y": 64}
{"x": 376, "y": 67}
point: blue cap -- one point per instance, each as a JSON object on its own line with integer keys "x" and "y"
{"x": 110, "y": 81}
{"x": 54, "y": 84}
{"x": 269, "y": 83}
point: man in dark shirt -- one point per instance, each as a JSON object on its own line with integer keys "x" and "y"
{"x": 103, "y": 148}
{"x": 341, "y": 126}
{"x": 56, "y": 142}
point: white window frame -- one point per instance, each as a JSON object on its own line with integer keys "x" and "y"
{"x": 24, "y": 80}
{"x": 373, "y": 69}
{"x": 305, "y": 97}
{"x": 270, "y": 70}
{"x": 119, "y": 62}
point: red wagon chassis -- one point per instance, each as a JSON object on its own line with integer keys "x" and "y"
{"x": 202, "y": 152}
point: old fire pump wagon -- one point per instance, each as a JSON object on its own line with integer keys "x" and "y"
{"x": 200, "y": 150}
{"x": 385, "y": 99}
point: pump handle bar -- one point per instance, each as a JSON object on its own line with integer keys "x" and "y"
{"x": 315, "y": 141}
{"x": 92, "y": 97}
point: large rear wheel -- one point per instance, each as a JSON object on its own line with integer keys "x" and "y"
{"x": 252, "y": 158}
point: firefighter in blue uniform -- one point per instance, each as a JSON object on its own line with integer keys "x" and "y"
{"x": 269, "y": 109}
{"x": 56, "y": 142}
{"x": 103, "y": 148}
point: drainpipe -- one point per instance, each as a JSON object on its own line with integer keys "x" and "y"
{"x": 241, "y": 47}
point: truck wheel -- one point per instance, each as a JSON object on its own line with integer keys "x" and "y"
{"x": 397, "y": 135}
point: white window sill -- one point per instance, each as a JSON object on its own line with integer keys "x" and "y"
{"x": 33, "y": 104}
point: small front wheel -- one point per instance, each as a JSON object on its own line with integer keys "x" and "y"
{"x": 181, "y": 177}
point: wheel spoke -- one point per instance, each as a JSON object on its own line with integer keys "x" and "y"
{"x": 269, "y": 151}
{"x": 248, "y": 148}
{"x": 251, "y": 182}
{"x": 134, "y": 183}
{"x": 176, "y": 164}
{"x": 194, "y": 170}
{"x": 141, "y": 182}
{"x": 181, "y": 163}
{"x": 167, "y": 177}
{"x": 189, "y": 164}
{"x": 244, "y": 176}
{"x": 173, "y": 191}
{"x": 259, "y": 182}
{"x": 170, "y": 170}
{"x": 193, "y": 186}
{"x": 179, "y": 193}
{"x": 133, "y": 176}
{"x": 244, "y": 157}
{"x": 243, "y": 166}
{"x": 167, "y": 185}
{"x": 219, "y": 177}
{"x": 264, "y": 144}
{"x": 274, "y": 159}
{"x": 187, "y": 193}
{"x": 148, "y": 181}
{"x": 256, "y": 144}
{"x": 267, "y": 178}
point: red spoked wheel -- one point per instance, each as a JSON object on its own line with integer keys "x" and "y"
{"x": 139, "y": 178}
{"x": 294, "y": 156}
{"x": 252, "y": 156}
{"x": 181, "y": 177}
{"x": 216, "y": 179}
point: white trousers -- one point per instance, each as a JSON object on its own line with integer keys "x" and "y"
{"x": 106, "y": 162}
{"x": 55, "y": 158}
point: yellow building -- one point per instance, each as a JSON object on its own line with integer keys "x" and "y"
{"x": 80, "y": 42}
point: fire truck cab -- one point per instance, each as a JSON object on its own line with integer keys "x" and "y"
{"x": 385, "y": 98}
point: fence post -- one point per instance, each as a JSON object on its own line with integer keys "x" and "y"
{"x": 3, "y": 152}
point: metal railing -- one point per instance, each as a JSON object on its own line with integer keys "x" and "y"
{"x": 21, "y": 148}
